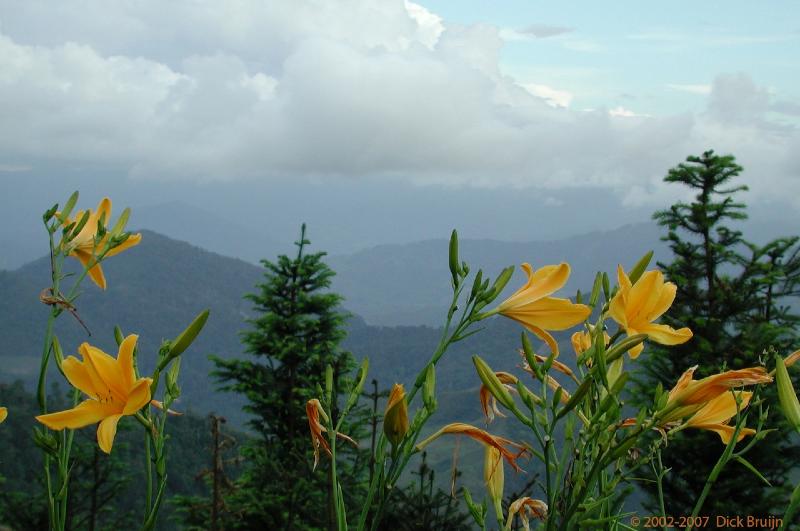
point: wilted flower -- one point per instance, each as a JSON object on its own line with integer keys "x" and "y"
{"x": 112, "y": 387}
{"x": 554, "y": 385}
{"x": 526, "y": 508}
{"x": 791, "y": 359}
{"x": 395, "y": 419}
{"x": 314, "y": 411}
{"x": 506, "y": 447}
{"x": 557, "y": 365}
{"x": 532, "y": 306}
{"x": 84, "y": 246}
{"x": 489, "y": 402}
{"x": 636, "y": 306}
{"x": 494, "y": 476}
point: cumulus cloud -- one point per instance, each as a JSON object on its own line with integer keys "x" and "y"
{"x": 354, "y": 89}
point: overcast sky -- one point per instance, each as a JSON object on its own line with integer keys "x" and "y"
{"x": 438, "y": 101}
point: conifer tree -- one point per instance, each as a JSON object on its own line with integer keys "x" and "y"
{"x": 733, "y": 295}
{"x": 294, "y": 336}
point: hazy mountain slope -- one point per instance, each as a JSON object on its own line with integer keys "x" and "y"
{"x": 408, "y": 284}
{"x": 154, "y": 290}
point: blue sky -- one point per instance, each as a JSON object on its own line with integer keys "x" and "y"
{"x": 650, "y": 58}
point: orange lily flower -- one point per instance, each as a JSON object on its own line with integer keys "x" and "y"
{"x": 690, "y": 392}
{"x": 503, "y": 445}
{"x": 714, "y": 416}
{"x": 3, "y": 414}
{"x": 112, "y": 387}
{"x": 314, "y": 412}
{"x": 533, "y": 308}
{"x": 636, "y": 306}
{"x": 526, "y": 508}
{"x": 83, "y": 245}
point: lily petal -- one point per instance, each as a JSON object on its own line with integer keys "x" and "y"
{"x": 103, "y": 211}
{"x": 96, "y": 272}
{"x": 125, "y": 360}
{"x": 133, "y": 240}
{"x": 725, "y": 431}
{"x": 3, "y": 414}
{"x": 86, "y": 413}
{"x": 635, "y": 351}
{"x": 551, "y": 313}
{"x": 108, "y": 371}
{"x": 720, "y": 410}
{"x": 107, "y": 431}
{"x": 541, "y": 283}
{"x": 666, "y": 335}
{"x": 665, "y": 300}
{"x": 139, "y": 396}
{"x": 78, "y": 376}
{"x": 644, "y": 295}
{"x": 544, "y": 335}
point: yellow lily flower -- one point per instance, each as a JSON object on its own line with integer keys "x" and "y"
{"x": 526, "y": 508}
{"x": 708, "y": 404}
{"x": 503, "y": 445}
{"x": 3, "y": 414}
{"x": 691, "y": 392}
{"x": 112, "y": 387}
{"x": 532, "y": 306}
{"x": 636, "y": 306}
{"x": 83, "y": 246}
{"x": 714, "y": 416}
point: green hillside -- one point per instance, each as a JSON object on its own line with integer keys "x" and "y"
{"x": 156, "y": 288}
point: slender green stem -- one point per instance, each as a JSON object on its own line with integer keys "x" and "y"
{"x": 712, "y": 477}
{"x": 660, "y": 485}
{"x": 334, "y": 477}
{"x": 794, "y": 503}
{"x": 377, "y": 480}
{"x": 148, "y": 474}
{"x": 397, "y": 466}
{"x": 51, "y": 504}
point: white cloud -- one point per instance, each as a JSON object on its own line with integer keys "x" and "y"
{"x": 621, "y": 112}
{"x": 429, "y": 24}
{"x": 358, "y": 89}
{"x": 553, "y": 97}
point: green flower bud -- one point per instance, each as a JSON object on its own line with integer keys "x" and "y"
{"x": 786, "y": 394}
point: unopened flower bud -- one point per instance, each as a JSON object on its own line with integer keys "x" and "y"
{"x": 395, "y": 419}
